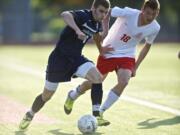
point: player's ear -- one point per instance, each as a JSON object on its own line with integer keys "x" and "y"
{"x": 157, "y": 12}
{"x": 142, "y": 9}
{"x": 93, "y": 8}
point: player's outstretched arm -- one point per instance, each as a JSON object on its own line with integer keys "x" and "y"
{"x": 69, "y": 20}
{"x": 141, "y": 57}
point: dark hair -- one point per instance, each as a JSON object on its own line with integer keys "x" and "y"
{"x": 104, "y": 3}
{"x": 153, "y": 4}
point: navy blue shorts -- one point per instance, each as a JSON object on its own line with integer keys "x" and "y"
{"x": 61, "y": 68}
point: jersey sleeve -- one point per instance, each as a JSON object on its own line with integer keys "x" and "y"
{"x": 150, "y": 39}
{"x": 121, "y": 12}
{"x": 80, "y": 16}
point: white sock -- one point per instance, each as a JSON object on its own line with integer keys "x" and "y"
{"x": 74, "y": 94}
{"x": 96, "y": 107}
{"x": 111, "y": 99}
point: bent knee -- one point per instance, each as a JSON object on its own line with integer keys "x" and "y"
{"x": 97, "y": 78}
{"x": 94, "y": 76}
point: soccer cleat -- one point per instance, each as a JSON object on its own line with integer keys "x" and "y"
{"x": 101, "y": 121}
{"x": 68, "y": 104}
{"x": 25, "y": 121}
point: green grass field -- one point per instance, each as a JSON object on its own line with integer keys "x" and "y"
{"x": 157, "y": 81}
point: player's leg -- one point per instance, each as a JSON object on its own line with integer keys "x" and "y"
{"x": 91, "y": 73}
{"x": 38, "y": 103}
{"x": 87, "y": 71}
{"x": 96, "y": 99}
{"x": 74, "y": 94}
{"x": 52, "y": 77}
{"x": 96, "y": 76}
{"x": 82, "y": 88}
{"x": 96, "y": 95}
{"x": 79, "y": 90}
{"x": 96, "y": 88}
{"x": 124, "y": 76}
{"x": 104, "y": 67}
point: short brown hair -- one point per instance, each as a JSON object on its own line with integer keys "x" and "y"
{"x": 104, "y": 3}
{"x": 153, "y": 4}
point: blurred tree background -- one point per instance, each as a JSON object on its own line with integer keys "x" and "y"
{"x": 27, "y": 21}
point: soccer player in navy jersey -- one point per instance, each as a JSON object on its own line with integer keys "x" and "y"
{"x": 66, "y": 60}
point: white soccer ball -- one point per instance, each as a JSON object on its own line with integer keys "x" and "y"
{"x": 87, "y": 124}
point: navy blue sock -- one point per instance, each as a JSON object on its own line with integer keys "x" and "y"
{"x": 96, "y": 96}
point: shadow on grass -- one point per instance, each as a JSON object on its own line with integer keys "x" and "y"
{"x": 96, "y": 133}
{"x": 58, "y": 132}
{"x": 20, "y": 133}
{"x": 153, "y": 123}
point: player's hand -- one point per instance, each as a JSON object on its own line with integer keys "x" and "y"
{"x": 106, "y": 49}
{"x": 81, "y": 35}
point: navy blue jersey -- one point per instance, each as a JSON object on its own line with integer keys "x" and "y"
{"x": 68, "y": 43}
